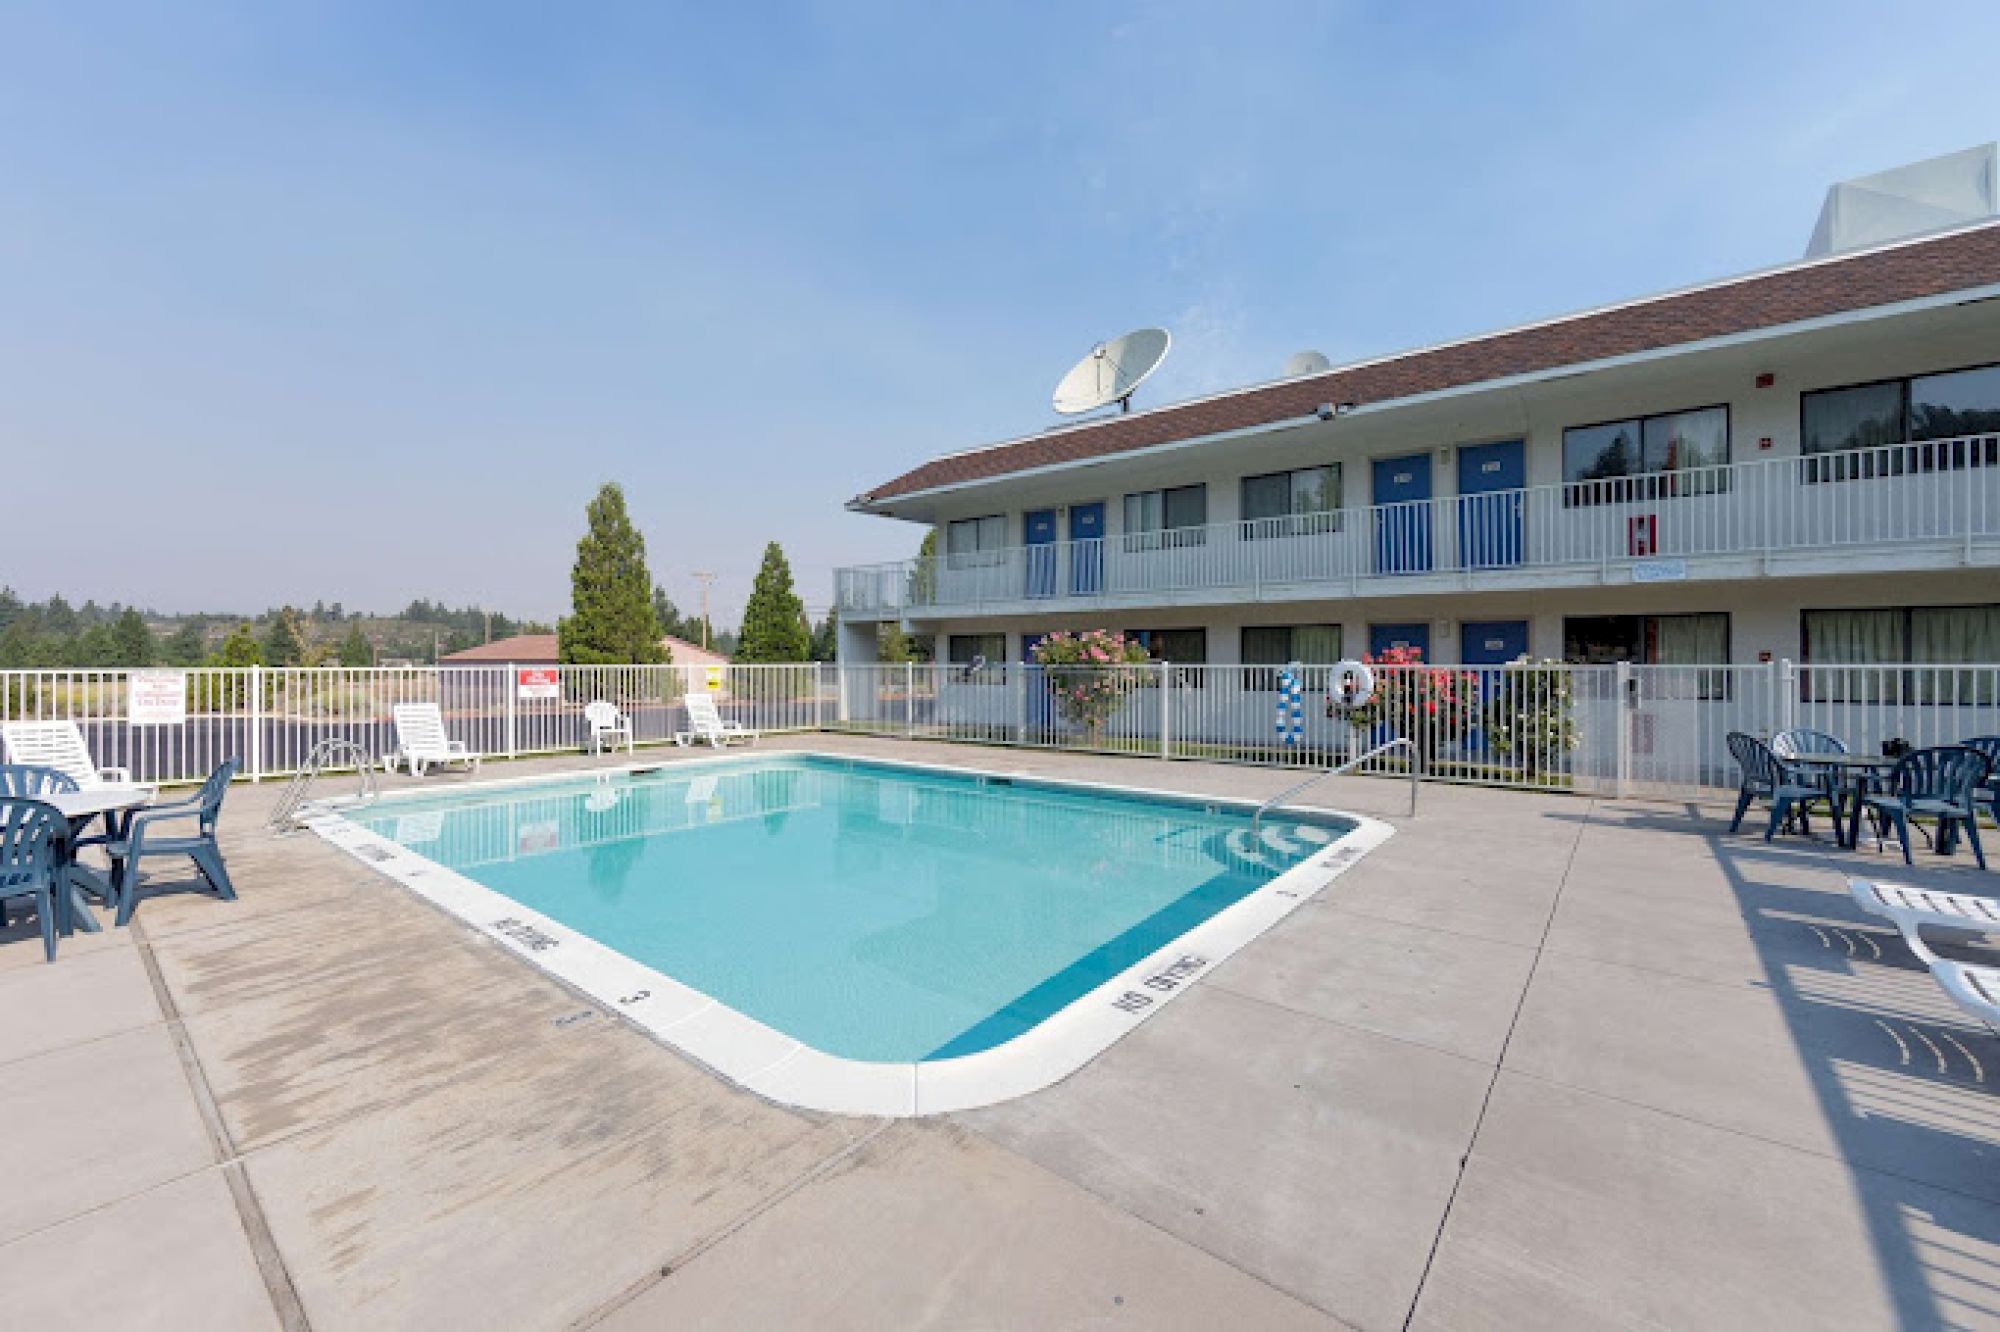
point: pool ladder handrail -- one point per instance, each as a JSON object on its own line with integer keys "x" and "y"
{"x": 285, "y": 814}
{"x": 1400, "y": 742}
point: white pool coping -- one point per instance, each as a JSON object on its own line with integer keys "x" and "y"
{"x": 781, "y": 1068}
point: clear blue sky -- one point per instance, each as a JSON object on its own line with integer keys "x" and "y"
{"x": 360, "y": 301}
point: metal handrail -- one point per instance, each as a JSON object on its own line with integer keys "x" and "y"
{"x": 285, "y": 813}
{"x": 1400, "y": 742}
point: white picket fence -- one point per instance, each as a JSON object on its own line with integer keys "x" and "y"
{"x": 1611, "y": 730}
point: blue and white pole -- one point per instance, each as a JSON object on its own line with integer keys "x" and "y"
{"x": 1291, "y": 719}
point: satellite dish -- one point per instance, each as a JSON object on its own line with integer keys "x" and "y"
{"x": 1112, "y": 370}
{"x": 1304, "y": 363}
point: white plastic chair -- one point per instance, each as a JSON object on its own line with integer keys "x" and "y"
{"x": 608, "y": 726}
{"x": 705, "y": 722}
{"x": 59, "y": 745}
{"x": 421, "y": 741}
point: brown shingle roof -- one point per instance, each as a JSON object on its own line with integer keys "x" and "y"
{"x": 1952, "y": 262}
{"x": 542, "y": 649}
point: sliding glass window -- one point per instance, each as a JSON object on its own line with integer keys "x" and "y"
{"x": 1294, "y": 503}
{"x": 1166, "y": 519}
{"x": 1647, "y": 457}
{"x": 1927, "y": 423}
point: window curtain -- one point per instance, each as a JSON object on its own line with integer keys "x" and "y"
{"x": 1854, "y": 638}
{"x": 1955, "y": 636}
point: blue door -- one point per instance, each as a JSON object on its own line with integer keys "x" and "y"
{"x": 1382, "y": 637}
{"x": 1403, "y": 514}
{"x": 1086, "y": 548}
{"x": 1492, "y": 642}
{"x": 1490, "y": 482}
{"x": 1039, "y": 533}
{"x": 1488, "y": 644}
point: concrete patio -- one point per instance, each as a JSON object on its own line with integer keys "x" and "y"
{"x": 1541, "y": 1061}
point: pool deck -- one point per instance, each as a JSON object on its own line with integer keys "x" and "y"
{"x": 1538, "y": 1061}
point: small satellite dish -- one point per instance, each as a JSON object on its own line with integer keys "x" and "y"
{"x": 1112, "y": 370}
{"x": 1304, "y": 363}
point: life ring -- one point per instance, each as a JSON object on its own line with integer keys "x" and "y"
{"x": 1352, "y": 684}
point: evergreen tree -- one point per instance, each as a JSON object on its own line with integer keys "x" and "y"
{"x": 355, "y": 649}
{"x": 826, "y": 638}
{"x": 240, "y": 648}
{"x": 672, "y": 622}
{"x": 611, "y": 593}
{"x": 283, "y": 644}
{"x": 188, "y": 644}
{"x": 131, "y": 640}
{"x": 774, "y": 619}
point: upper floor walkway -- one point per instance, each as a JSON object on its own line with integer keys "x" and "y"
{"x": 1928, "y": 505}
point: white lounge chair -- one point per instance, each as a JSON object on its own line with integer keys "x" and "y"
{"x": 1975, "y": 989}
{"x": 608, "y": 726}
{"x": 705, "y": 722}
{"x": 59, "y": 745}
{"x": 1911, "y": 909}
{"x": 421, "y": 741}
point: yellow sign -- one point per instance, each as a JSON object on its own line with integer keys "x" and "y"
{"x": 715, "y": 679}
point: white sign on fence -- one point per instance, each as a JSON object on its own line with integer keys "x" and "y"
{"x": 156, "y": 698}
{"x": 543, "y": 684}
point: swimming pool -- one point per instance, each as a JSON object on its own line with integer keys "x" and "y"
{"x": 855, "y": 935}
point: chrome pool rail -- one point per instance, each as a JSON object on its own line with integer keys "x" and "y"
{"x": 1400, "y": 742}
{"x": 331, "y": 752}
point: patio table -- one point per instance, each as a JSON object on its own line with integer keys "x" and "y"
{"x": 1857, "y": 772}
{"x": 79, "y": 808}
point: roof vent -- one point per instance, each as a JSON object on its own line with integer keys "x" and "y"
{"x": 1933, "y": 195}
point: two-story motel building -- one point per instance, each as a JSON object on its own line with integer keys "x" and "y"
{"x": 1802, "y": 462}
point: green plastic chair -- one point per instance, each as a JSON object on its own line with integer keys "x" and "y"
{"x": 1765, "y": 776}
{"x": 1940, "y": 782}
{"x": 198, "y": 844}
{"x": 30, "y": 866}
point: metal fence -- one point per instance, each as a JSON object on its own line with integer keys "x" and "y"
{"x": 1609, "y": 730}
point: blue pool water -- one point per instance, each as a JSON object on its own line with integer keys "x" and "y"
{"x": 872, "y": 912}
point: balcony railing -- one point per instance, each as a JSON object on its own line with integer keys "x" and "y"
{"x": 1891, "y": 498}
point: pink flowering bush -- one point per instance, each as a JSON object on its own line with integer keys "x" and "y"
{"x": 1089, "y": 674}
{"x": 1429, "y": 705}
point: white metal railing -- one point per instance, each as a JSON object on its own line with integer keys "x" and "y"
{"x": 1603, "y": 730}
{"x": 1940, "y": 491}
{"x": 1609, "y": 730}
{"x": 271, "y": 719}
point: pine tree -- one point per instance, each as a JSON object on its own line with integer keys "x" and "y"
{"x": 240, "y": 648}
{"x": 826, "y": 638}
{"x": 774, "y": 619}
{"x": 131, "y": 640}
{"x": 610, "y": 591}
{"x": 283, "y": 644}
{"x": 187, "y": 645}
{"x": 355, "y": 649}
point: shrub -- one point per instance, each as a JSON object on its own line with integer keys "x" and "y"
{"x": 1530, "y": 717}
{"x": 1430, "y": 706}
{"x": 1090, "y": 674}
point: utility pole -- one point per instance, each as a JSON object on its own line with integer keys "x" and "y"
{"x": 705, "y": 578}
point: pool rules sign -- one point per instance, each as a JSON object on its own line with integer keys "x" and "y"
{"x": 156, "y": 698}
{"x": 538, "y": 685}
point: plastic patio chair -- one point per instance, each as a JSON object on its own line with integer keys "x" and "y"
{"x": 199, "y": 845}
{"x": 609, "y": 727}
{"x": 1764, "y": 776}
{"x": 1804, "y": 740}
{"x": 1939, "y": 782}
{"x": 1988, "y": 792}
{"x": 30, "y": 831}
{"x": 31, "y": 779}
